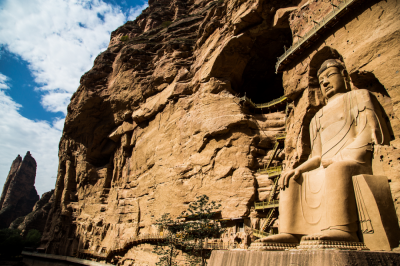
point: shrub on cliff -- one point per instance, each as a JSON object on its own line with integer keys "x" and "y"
{"x": 32, "y": 238}
{"x": 189, "y": 234}
{"x": 124, "y": 38}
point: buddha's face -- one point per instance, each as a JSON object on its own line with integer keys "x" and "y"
{"x": 331, "y": 82}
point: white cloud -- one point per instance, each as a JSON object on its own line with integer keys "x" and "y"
{"x": 3, "y": 82}
{"x": 135, "y": 11}
{"x": 58, "y": 123}
{"x": 19, "y": 135}
{"x": 59, "y": 39}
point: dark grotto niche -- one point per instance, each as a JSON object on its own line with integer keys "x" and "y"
{"x": 259, "y": 81}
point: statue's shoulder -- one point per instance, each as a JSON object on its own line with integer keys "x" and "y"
{"x": 315, "y": 121}
{"x": 361, "y": 98}
{"x": 360, "y": 94}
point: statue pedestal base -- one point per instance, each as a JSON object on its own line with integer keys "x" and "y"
{"x": 324, "y": 257}
{"x": 268, "y": 246}
{"x": 329, "y": 244}
{"x": 308, "y": 245}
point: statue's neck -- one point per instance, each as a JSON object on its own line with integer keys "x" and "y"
{"x": 334, "y": 97}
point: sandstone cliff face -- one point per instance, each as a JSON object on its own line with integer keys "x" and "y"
{"x": 157, "y": 120}
{"x": 19, "y": 194}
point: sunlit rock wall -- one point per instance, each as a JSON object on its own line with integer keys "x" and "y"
{"x": 157, "y": 121}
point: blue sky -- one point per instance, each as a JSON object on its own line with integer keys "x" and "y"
{"x": 45, "y": 47}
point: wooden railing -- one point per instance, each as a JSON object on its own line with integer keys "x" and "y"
{"x": 266, "y": 204}
{"x": 135, "y": 240}
{"x": 220, "y": 245}
{"x": 318, "y": 27}
{"x": 124, "y": 246}
{"x": 264, "y": 105}
{"x": 281, "y": 136}
{"x": 260, "y": 234}
{"x": 118, "y": 247}
{"x": 271, "y": 171}
{"x": 269, "y": 219}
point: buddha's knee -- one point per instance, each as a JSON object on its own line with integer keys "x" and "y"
{"x": 295, "y": 182}
{"x": 342, "y": 169}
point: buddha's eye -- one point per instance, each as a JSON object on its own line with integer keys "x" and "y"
{"x": 331, "y": 74}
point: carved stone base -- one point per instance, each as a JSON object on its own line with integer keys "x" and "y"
{"x": 325, "y": 257}
{"x": 329, "y": 244}
{"x": 268, "y": 246}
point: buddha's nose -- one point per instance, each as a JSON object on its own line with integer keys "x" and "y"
{"x": 325, "y": 81}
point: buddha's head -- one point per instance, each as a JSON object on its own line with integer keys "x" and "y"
{"x": 332, "y": 78}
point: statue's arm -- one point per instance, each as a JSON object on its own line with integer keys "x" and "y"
{"x": 307, "y": 166}
{"x": 368, "y": 130}
{"x": 312, "y": 163}
{"x": 368, "y": 133}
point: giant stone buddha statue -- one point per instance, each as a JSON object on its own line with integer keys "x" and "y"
{"x": 317, "y": 200}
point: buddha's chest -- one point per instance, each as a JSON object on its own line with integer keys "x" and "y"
{"x": 332, "y": 115}
{"x": 334, "y": 119}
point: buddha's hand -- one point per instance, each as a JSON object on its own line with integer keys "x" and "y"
{"x": 326, "y": 162}
{"x": 285, "y": 177}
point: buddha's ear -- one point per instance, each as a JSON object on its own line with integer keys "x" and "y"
{"x": 346, "y": 77}
{"x": 344, "y": 73}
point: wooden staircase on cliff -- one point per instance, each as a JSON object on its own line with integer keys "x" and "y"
{"x": 272, "y": 204}
{"x": 267, "y": 170}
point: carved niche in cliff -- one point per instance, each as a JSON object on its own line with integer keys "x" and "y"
{"x": 333, "y": 199}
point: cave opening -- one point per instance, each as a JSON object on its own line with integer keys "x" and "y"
{"x": 260, "y": 83}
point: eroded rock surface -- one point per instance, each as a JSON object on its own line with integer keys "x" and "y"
{"x": 19, "y": 193}
{"x": 157, "y": 120}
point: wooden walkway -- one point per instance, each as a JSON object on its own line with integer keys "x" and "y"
{"x": 147, "y": 238}
{"x": 263, "y": 205}
{"x": 314, "y": 34}
{"x": 271, "y": 104}
{"x": 220, "y": 245}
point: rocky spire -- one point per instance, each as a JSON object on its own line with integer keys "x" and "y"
{"x": 19, "y": 194}
{"x": 13, "y": 171}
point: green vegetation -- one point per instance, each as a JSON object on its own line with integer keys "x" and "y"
{"x": 124, "y": 38}
{"x": 166, "y": 24}
{"x": 167, "y": 250}
{"x": 12, "y": 243}
{"x": 32, "y": 239}
{"x": 189, "y": 235}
